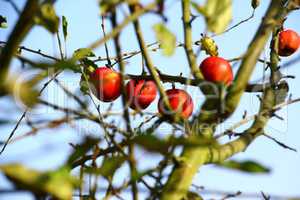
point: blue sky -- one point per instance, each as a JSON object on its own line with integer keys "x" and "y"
{"x": 49, "y": 149}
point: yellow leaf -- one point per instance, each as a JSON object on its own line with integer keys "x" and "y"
{"x": 209, "y": 46}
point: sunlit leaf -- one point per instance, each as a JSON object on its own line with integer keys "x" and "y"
{"x": 198, "y": 8}
{"x": 47, "y": 17}
{"x": 166, "y": 39}
{"x": 83, "y": 53}
{"x": 23, "y": 91}
{"x": 218, "y": 14}
{"x": 58, "y": 184}
{"x": 248, "y": 166}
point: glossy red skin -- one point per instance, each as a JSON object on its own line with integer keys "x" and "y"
{"x": 217, "y": 69}
{"x": 140, "y": 93}
{"x": 289, "y": 42}
{"x": 107, "y": 83}
{"x": 176, "y": 98}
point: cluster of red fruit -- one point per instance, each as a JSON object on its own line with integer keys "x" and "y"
{"x": 141, "y": 93}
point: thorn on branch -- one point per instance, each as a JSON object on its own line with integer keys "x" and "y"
{"x": 265, "y": 197}
{"x": 277, "y": 116}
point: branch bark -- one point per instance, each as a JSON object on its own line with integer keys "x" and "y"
{"x": 24, "y": 24}
{"x": 274, "y": 16}
{"x": 188, "y": 39}
{"x": 193, "y": 158}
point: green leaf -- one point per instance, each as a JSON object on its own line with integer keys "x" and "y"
{"x": 154, "y": 144}
{"x": 166, "y": 39}
{"x": 70, "y": 65}
{"x": 200, "y": 9}
{"x": 151, "y": 143}
{"x": 84, "y": 85}
{"x": 107, "y": 5}
{"x": 65, "y": 26}
{"x": 82, "y": 149}
{"x": 23, "y": 90}
{"x": 193, "y": 196}
{"x": 58, "y": 184}
{"x": 248, "y": 166}
{"x": 60, "y": 65}
{"x": 89, "y": 65}
{"x": 3, "y": 22}
{"x": 47, "y": 17}
{"x": 82, "y": 53}
{"x": 109, "y": 166}
{"x": 218, "y": 14}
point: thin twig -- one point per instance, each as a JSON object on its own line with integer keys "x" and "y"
{"x": 245, "y": 120}
{"x": 39, "y": 52}
{"x": 24, "y": 114}
{"x": 280, "y": 143}
{"x": 236, "y": 25}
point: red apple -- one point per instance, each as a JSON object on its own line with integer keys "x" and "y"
{"x": 107, "y": 83}
{"x": 140, "y": 93}
{"x": 217, "y": 69}
{"x": 289, "y": 42}
{"x": 180, "y": 101}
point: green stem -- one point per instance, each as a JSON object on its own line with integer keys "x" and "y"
{"x": 131, "y": 18}
{"x": 148, "y": 61}
{"x": 182, "y": 174}
{"x": 188, "y": 42}
{"x": 274, "y": 16}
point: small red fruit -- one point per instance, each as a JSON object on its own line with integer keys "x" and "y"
{"x": 289, "y": 42}
{"x": 107, "y": 83}
{"x": 216, "y": 69}
{"x": 180, "y": 101}
{"x": 140, "y": 93}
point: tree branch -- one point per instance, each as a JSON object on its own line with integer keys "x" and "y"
{"x": 274, "y": 16}
{"x": 24, "y": 24}
{"x": 188, "y": 39}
